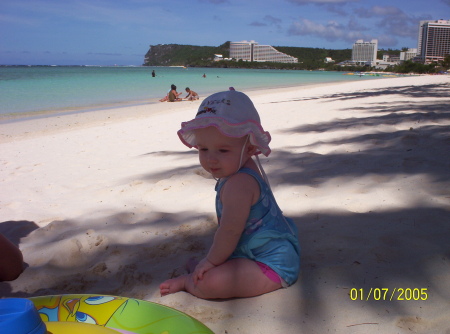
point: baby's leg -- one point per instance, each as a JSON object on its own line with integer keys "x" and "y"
{"x": 234, "y": 278}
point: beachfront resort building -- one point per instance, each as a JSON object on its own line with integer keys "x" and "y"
{"x": 252, "y": 51}
{"x": 219, "y": 57}
{"x": 408, "y": 54}
{"x": 365, "y": 53}
{"x": 434, "y": 40}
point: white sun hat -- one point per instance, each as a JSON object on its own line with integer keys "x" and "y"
{"x": 233, "y": 114}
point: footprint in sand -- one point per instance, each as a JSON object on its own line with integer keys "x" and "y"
{"x": 96, "y": 240}
{"x": 69, "y": 254}
{"x": 129, "y": 276}
{"x": 410, "y": 140}
{"x": 413, "y": 162}
{"x": 208, "y": 314}
{"x": 413, "y": 324}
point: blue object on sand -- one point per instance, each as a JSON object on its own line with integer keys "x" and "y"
{"x": 19, "y": 316}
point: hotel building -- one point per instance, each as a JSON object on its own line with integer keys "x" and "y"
{"x": 434, "y": 40}
{"x": 252, "y": 51}
{"x": 365, "y": 53}
{"x": 408, "y": 55}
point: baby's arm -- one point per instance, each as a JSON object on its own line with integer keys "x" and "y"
{"x": 238, "y": 195}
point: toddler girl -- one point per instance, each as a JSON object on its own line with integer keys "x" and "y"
{"x": 255, "y": 248}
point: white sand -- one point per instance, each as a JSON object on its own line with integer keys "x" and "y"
{"x": 111, "y": 202}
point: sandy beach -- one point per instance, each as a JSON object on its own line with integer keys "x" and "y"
{"x": 111, "y": 202}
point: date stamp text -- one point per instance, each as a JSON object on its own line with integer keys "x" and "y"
{"x": 386, "y": 294}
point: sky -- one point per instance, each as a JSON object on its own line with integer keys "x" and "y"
{"x": 108, "y": 32}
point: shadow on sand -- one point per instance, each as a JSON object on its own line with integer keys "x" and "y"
{"x": 345, "y": 249}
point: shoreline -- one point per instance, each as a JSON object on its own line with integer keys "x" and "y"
{"x": 111, "y": 202}
{"x": 19, "y": 115}
{"x": 30, "y": 115}
{"x": 9, "y": 123}
{"x": 107, "y": 113}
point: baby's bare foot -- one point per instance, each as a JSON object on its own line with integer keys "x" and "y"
{"x": 172, "y": 285}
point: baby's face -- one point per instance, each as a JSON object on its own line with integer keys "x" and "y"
{"x": 219, "y": 155}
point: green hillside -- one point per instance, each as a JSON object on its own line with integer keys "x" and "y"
{"x": 190, "y": 55}
{"x": 308, "y": 58}
{"x": 183, "y": 55}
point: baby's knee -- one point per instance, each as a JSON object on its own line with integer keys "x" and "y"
{"x": 12, "y": 267}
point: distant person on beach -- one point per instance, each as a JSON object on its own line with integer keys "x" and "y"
{"x": 165, "y": 98}
{"x": 255, "y": 248}
{"x": 11, "y": 260}
{"x": 191, "y": 95}
{"x": 204, "y": 75}
{"x": 153, "y": 74}
{"x": 173, "y": 94}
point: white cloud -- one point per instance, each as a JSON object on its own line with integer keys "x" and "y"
{"x": 386, "y": 11}
{"x": 387, "y": 41}
{"x": 393, "y": 20}
{"x": 268, "y": 20}
{"x": 102, "y": 11}
{"x": 332, "y": 31}
{"x": 15, "y": 19}
{"x": 336, "y": 9}
{"x": 258, "y": 24}
{"x": 272, "y": 20}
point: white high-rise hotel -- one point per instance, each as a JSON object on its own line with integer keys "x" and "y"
{"x": 434, "y": 40}
{"x": 365, "y": 52}
{"x": 252, "y": 51}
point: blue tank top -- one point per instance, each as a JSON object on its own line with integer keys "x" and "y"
{"x": 268, "y": 236}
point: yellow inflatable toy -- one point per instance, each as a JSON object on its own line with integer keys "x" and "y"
{"x": 100, "y": 314}
{"x": 76, "y": 328}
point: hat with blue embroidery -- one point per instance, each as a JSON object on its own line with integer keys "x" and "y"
{"x": 233, "y": 114}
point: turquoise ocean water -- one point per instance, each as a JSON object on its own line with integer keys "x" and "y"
{"x": 28, "y": 91}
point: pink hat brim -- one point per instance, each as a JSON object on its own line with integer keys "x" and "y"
{"x": 258, "y": 136}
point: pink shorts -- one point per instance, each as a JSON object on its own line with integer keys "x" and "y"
{"x": 269, "y": 272}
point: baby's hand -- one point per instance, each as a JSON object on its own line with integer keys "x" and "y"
{"x": 202, "y": 267}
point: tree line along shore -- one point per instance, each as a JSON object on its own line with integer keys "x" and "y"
{"x": 308, "y": 59}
